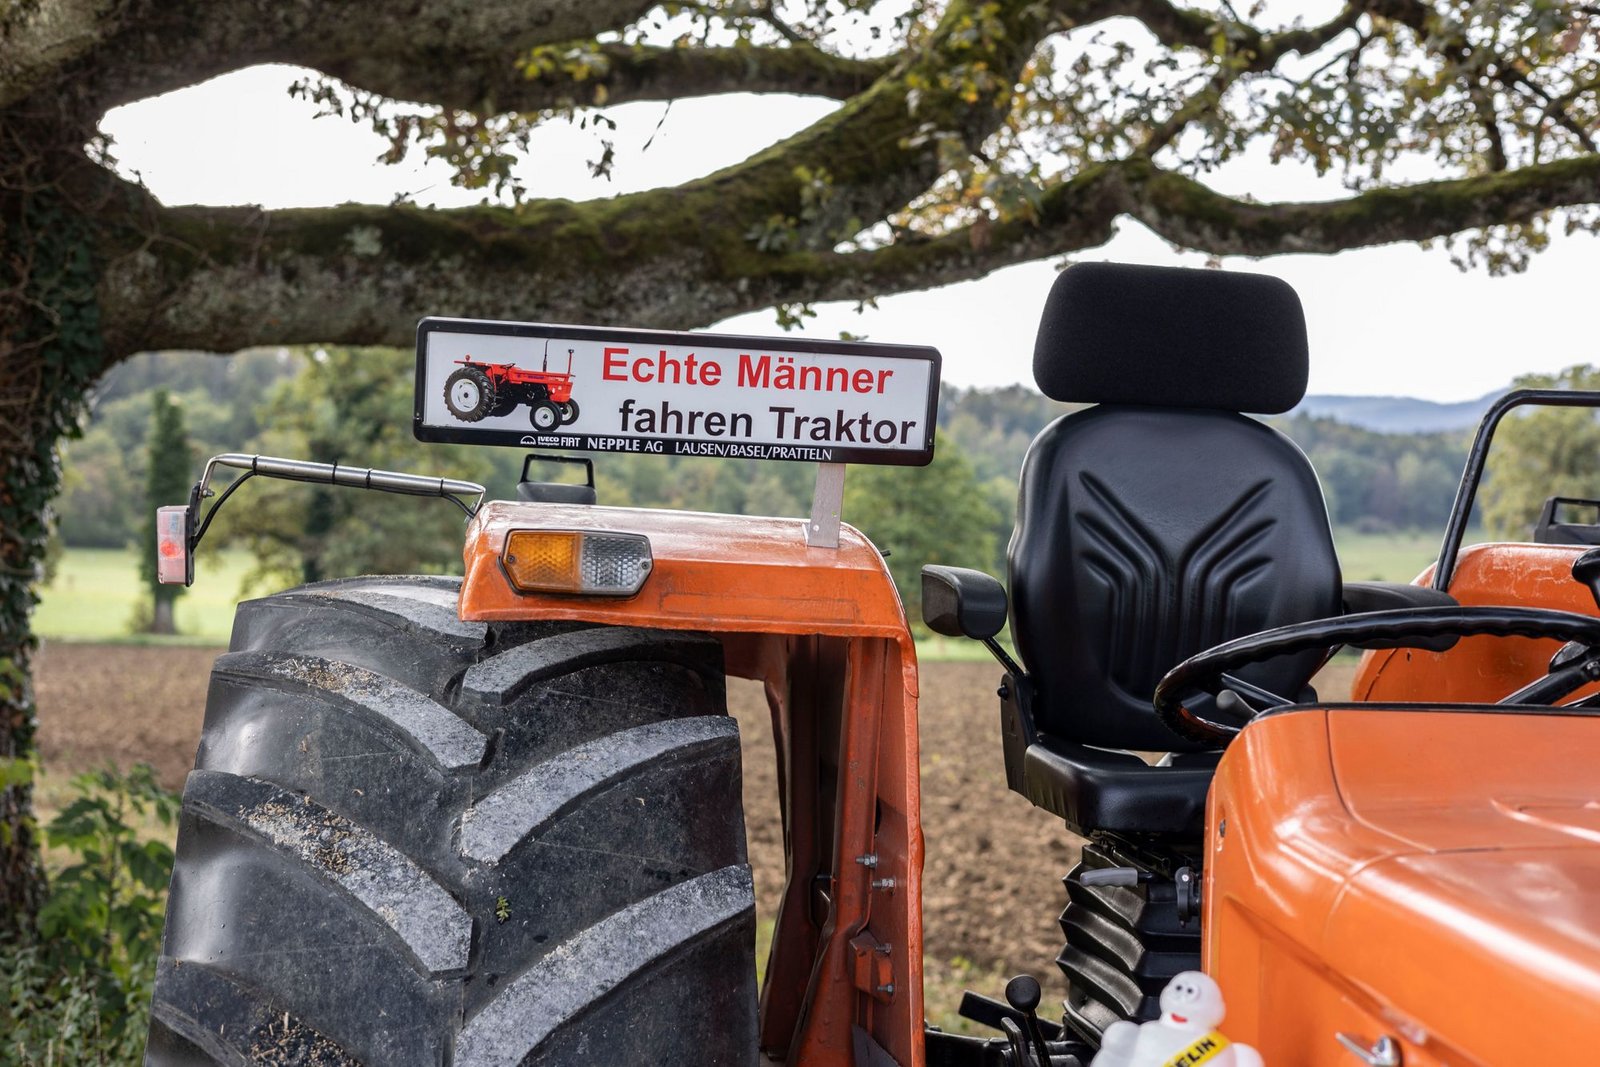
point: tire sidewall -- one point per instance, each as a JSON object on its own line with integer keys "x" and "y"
{"x": 477, "y": 380}
{"x": 544, "y": 416}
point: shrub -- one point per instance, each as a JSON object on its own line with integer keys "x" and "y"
{"x": 79, "y": 994}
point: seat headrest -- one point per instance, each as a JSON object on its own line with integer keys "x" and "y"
{"x": 1117, "y": 333}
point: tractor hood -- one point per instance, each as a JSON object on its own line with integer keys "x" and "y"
{"x": 1440, "y": 866}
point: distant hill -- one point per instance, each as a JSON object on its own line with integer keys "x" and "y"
{"x": 1397, "y": 414}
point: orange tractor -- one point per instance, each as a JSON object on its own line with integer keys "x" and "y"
{"x": 497, "y": 820}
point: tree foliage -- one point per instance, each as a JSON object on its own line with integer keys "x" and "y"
{"x": 1377, "y": 481}
{"x": 969, "y": 134}
{"x": 78, "y": 994}
{"x": 350, "y": 406}
{"x": 918, "y": 515}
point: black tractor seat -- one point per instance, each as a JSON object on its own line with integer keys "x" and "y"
{"x": 1157, "y": 523}
{"x": 1151, "y": 526}
{"x": 1118, "y": 791}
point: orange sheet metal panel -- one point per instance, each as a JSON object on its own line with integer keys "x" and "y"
{"x": 756, "y": 583}
{"x": 1430, "y": 875}
{"x": 724, "y": 573}
{"x": 1483, "y": 669}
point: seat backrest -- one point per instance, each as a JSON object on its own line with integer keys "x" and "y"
{"x": 1162, "y": 521}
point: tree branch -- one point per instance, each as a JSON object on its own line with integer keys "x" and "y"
{"x": 494, "y": 83}
{"x": 1416, "y": 14}
{"x": 1181, "y": 27}
{"x": 156, "y": 46}
{"x": 1173, "y": 26}
{"x": 226, "y": 278}
{"x": 1253, "y": 52}
{"x": 1555, "y": 108}
{"x": 38, "y": 40}
{"x": 1080, "y": 213}
{"x": 1187, "y": 212}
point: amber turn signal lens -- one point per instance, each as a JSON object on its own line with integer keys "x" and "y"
{"x": 573, "y": 561}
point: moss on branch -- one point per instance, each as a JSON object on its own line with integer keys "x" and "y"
{"x": 1188, "y": 212}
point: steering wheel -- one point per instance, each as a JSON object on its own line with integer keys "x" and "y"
{"x": 1210, "y": 671}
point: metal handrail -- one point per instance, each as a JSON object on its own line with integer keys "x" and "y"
{"x": 1461, "y": 509}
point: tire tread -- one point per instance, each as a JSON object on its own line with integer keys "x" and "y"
{"x": 380, "y": 846}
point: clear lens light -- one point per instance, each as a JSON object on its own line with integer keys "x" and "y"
{"x": 571, "y": 561}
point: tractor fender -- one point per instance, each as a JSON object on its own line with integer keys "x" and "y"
{"x": 728, "y": 573}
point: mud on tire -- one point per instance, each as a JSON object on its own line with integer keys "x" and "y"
{"x": 413, "y": 840}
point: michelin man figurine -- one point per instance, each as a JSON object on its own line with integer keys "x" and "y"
{"x": 1185, "y": 1035}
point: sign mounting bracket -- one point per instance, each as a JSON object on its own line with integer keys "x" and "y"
{"x": 827, "y": 501}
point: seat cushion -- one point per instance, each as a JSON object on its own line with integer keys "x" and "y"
{"x": 1101, "y": 789}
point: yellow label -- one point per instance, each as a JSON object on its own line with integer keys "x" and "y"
{"x": 1203, "y": 1050}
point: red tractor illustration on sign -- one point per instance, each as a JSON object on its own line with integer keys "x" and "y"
{"x": 483, "y": 390}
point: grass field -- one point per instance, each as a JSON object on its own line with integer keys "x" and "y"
{"x": 97, "y": 590}
{"x": 1390, "y": 557}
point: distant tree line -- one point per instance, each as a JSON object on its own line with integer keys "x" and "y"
{"x": 1381, "y": 481}
{"x": 102, "y": 502}
{"x": 1542, "y": 452}
{"x": 351, "y": 405}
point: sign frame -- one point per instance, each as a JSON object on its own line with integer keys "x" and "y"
{"x": 800, "y": 451}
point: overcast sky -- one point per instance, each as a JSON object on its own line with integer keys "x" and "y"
{"x": 1396, "y": 320}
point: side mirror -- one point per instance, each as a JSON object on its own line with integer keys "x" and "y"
{"x": 960, "y": 602}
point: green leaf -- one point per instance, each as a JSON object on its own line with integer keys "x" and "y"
{"x": 149, "y": 865}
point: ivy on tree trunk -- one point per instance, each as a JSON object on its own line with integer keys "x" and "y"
{"x": 50, "y": 353}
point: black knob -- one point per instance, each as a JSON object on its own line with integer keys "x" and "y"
{"x": 1023, "y": 993}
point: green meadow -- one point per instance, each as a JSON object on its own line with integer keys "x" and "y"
{"x": 1391, "y": 557}
{"x": 97, "y": 592}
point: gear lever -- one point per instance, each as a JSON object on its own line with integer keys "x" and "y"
{"x": 1023, "y": 994}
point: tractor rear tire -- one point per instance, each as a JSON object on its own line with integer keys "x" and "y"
{"x": 413, "y": 840}
{"x": 569, "y": 412}
{"x": 469, "y": 394}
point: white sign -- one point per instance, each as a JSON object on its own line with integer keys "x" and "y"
{"x": 600, "y": 390}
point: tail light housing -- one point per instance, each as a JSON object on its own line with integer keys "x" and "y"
{"x": 579, "y": 562}
{"x": 174, "y": 533}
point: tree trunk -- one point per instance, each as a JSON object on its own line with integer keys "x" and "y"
{"x": 162, "y": 622}
{"x": 21, "y": 876}
{"x": 29, "y": 475}
{"x": 50, "y": 352}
